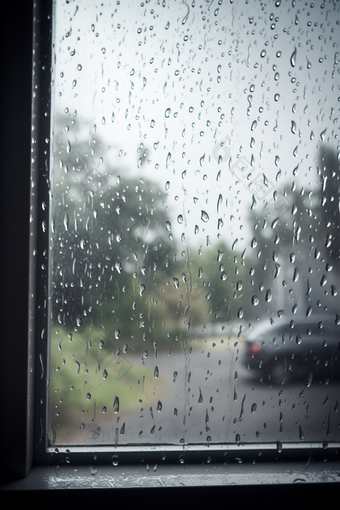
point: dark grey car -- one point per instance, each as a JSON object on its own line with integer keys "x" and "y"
{"x": 299, "y": 348}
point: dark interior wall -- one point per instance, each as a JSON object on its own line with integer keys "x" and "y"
{"x": 16, "y": 77}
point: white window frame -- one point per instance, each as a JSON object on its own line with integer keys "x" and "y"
{"x": 24, "y": 465}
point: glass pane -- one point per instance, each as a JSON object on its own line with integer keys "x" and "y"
{"x": 194, "y": 223}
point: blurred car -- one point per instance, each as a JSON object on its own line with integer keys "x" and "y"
{"x": 300, "y": 348}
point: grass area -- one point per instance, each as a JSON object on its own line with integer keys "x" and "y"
{"x": 89, "y": 376}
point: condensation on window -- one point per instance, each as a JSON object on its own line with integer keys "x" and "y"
{"x": 194, "y": 224}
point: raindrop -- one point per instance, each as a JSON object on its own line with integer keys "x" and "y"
{"x": 142, "y": 289}
{"x": 168, "y": 158}
{"x": 293, "y": 58}
{"x": 167, "y": 112}
{"x": 309, "y": 311}
{"x": 200, "y": 398}
{"x": 116, "y": 405}
{"x": 204, "y": 216}
{"x": 105, "y": 374}
{"x": 156, "y": 373}
{"x": 219, "y": 202}
{"x": 88, "y": 396}
{"x": 176, "y": 283}
{"x": 296, "y": 275}
{"x": 275, "y": 222}
{"x": 159, "y": 406}
{"x": 253, "y": 408}
{"x": 180, "y": 218}
{"x": 268, "y": 296}
{"x": 309, "y": 380}
{"x": 296, "y": 170}
{"x": 78, "y": 366}
{"x": 255, "y": 300}
{"x": 114, "y": 460}
{"x": 323, "y": 280}
{"x": 66, "y": 221}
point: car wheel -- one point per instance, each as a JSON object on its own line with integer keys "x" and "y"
{"x": 278, "y": 372}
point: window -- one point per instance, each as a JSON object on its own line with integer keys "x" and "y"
{"x": 174, "y": 232}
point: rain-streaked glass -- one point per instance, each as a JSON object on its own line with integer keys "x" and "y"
{"x": 194, "y": 225}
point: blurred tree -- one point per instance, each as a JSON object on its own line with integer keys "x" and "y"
{"x": 295, "y": 244}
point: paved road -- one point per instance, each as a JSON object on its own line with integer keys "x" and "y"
{"x": 208, "y": 396}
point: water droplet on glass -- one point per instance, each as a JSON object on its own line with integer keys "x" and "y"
{"x": 167, "y": 112}
{"x": 204, "y": 216}
{"x": 168, "y": 159}
{"x": 255, "y": 300}
{"x": 66, "y": 221}
{"x": 116, "y": 405}
{"x": 293, "y": 58}
{"x": 88, "y": 396}
{"x": 156, "y": 373}
{"x": 296, "y": 275}
{"x": 275, "y": 222}
{"x": 309, "y": 379}
{"x": 268, "y": 296}
{"x": 114, "y": 460}
{"x": 159, "y": 406}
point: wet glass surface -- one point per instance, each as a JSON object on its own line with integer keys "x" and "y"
{"x": 194, "y": 225}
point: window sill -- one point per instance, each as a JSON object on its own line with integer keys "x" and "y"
{"x": 42, "y": 478}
